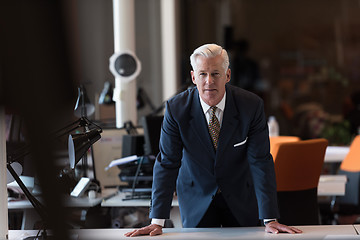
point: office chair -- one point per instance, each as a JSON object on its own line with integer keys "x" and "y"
{"x": 350, "y": 166}
{"x": 298, "y": 167}
{"x": 280, "y": 139}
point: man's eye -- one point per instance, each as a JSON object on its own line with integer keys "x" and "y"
{"x": 216, "y": 74}
{"x": 202, "y": 74}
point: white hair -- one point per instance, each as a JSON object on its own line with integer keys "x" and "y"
{"x": 208, "y": 51}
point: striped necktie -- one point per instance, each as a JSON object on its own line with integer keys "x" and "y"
{"x": 214, "y": 127}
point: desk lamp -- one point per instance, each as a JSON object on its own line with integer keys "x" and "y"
{"x": 83, "y": 106}
{"x": 78, "y": 143}
{"x": 83, "y": 109}
{"x": 106, "y": 96}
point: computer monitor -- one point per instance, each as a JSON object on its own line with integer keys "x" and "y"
{"x": 152, "y": 129}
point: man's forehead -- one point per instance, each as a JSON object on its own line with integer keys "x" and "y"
{"x": 208, "y": 64}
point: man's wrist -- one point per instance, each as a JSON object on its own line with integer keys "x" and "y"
{"x": 266, "y": 221}
{"x": 157, "y": 221}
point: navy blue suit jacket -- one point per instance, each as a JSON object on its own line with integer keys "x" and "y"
{"x": 242, "y": 166}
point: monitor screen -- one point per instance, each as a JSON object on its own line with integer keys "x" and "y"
{"x": 152, "y": 129}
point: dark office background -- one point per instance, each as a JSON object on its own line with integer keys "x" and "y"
{"x": 307, "y": 52}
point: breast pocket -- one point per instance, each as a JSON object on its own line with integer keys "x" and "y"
{"x": 241, "y": 143}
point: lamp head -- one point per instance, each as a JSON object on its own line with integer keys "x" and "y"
{"x": 83, "y": 106}
{"x": 79, "y": 144}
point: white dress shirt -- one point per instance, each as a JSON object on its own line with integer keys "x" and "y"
{"x": 219, "y": 110}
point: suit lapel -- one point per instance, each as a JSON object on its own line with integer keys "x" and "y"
{"x": 199, "y": 124}
{"x": 229, "y": 124}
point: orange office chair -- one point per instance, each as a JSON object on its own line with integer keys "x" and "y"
{"x": 350, "y": 166}
{"x": 280, "y": 139}
{"x": 298, "y": 167}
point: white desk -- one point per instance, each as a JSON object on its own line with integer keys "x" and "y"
{"x": 336, "y": 154}
{"x": 357, "y": 227}
{"x": 30, "y": 215}
{"x": 309, "y": 232}
{"x": 329, "y": 185}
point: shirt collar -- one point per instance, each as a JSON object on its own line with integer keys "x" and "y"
{"x": 220, "y": 105}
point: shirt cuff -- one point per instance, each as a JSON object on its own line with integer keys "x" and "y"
{"x": 158, "y": 221}
{"x": 269, "y": 220}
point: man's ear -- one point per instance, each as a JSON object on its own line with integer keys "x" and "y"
{"x": 193, "y": 77}
{"x": 228, "y": 75}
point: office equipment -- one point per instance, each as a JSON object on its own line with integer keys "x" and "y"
{"x": 83, "y": 106}
{"x": 107, "y": 149}
{"x": 77, "y": 142}
{"x": 132, "y": 145}
{"x": 152, "y": 130}
{"x": 118, "y": 201}
{"x": 138, "y": 174}
{"x": 121, "y": 161}
{"x": 298, "y": 167}
{"x": 30, "y": 216}
{"x": 106, "y": 96}
{"x": 80, "y": 187}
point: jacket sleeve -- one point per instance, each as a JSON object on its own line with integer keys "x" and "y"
{"x": 166, "y": 167}
{"x": 262, "y": 165}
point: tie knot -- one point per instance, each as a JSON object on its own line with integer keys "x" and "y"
{"x": 213, "y": 110}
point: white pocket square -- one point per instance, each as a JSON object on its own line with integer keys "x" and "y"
{"x": 240, "y": 143}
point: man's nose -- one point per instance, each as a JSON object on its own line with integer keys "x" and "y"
{"x": 210, "y": 79}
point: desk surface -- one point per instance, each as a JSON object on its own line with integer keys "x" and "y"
{"x": 357, "y": 227}
{"x": 309, "y": 232}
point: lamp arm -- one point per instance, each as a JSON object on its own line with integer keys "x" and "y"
{"x": 40, "y": 209}
{"x": 65, "y": 130}
{"x": 81, "y": 122}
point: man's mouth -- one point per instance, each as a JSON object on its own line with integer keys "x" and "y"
{"x": 210, "y": 89}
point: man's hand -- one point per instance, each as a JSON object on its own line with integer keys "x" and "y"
{"x": 152, "y": 230}
{"x": 275, "y": 227}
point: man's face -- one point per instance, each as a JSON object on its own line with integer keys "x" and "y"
{"x": 210, "y": 78}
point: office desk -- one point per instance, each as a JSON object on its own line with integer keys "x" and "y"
{"x": 309, "y": 232}
{"x": 357, "y": 228}
{"x": 329, "y": 185}
{"x": 30, "y": 215}
{"x": 332, "y": 185}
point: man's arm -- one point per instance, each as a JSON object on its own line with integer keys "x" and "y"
{"x": 261, "y": 164}
{"x": 165, "y": 173}
{"x": 258, "y": 148}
